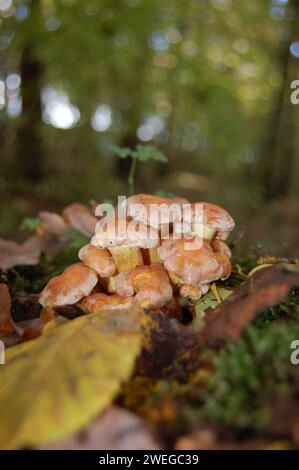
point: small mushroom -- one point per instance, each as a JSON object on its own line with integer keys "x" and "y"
{"x": 217, "y": 219}
{"x": 193, "y": 267}
{"x": 76, "y": 282}
{"x": 124, "y": 239}
{"x": 99, "y": 259}
{"x": 99, "y": 302}
{"x": 150, "y": 284}
{"x": 193, "y": 292}
{"x": 207, "y": 221}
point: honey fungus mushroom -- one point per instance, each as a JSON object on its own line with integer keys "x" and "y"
{"x": 125, "y": 238}
{"x": 207, "y": 221}
{"x": 197, "y": 266}
{"x": 100, "y": 302}
{"x": 150, "y": 284}
{"x": 76, "y": 282}
{"x": 99, "y": 259}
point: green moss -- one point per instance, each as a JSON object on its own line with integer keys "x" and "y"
{"x": 250, "y": 375}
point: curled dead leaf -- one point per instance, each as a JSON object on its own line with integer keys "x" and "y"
{"x": 265, "y": 288}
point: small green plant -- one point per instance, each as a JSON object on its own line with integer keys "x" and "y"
{"x": 31, "y": 223}
{"x": 141, "y": 153}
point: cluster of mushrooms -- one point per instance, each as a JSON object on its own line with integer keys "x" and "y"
{"x": 116, "y": 272}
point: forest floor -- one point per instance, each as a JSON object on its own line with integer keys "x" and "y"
{"x": 214, "y": 374}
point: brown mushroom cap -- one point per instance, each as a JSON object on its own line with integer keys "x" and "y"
{"x": 150, "y": 284}
{"x": 99, "y": 259}
{"x": 126, "y": 233}
{"x": 218, "y": 219}
{"x": 193, "y": 292}
{"x": 199, "y": 266}
{"x": 100, "y": 302}
{"x": 140, "y": 208}
{"x": 72, "y": 285}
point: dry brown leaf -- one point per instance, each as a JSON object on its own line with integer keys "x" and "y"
{"x": 115, "y": 429}
{"x": 52, "y": 222}
{"x": 80, "y": 218}
{"x": 266, "y": 288}
{"x": 14, "y": 254}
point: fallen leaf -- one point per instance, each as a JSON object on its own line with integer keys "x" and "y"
{"x": 14, "y": 254}
{"x": 266, "y": 288}
{"x": 52, "y": 222}
{"x": 80, "y": 218}
{"x": 115, "y": 429}
{"x": 165, "y": 339}
{"x": 57, "y": 383}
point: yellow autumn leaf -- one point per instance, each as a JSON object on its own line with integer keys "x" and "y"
{"x": 54, "y": 385}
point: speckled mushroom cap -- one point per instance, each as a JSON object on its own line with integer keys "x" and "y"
{"x": 150, "y": 284}
{"x": 99, "y": 259}
{"x": 100, "y": 302}
{"x": 126, "y": 233}
{"x": 72, "y": 285}
{"x": 154, "y": 210}
{"x": 198, "y": 266}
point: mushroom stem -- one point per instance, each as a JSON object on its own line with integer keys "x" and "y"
{"x": 203, "y": 231}
{"x": 126, "y": 257}
{"x": 150, "y": 256}
{"x": 215, "y": 291}
{"x": 108, "y": 284}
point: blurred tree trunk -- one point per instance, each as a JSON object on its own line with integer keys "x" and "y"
{"x": 279, "y": 148}
{"x": 29, "y": 150}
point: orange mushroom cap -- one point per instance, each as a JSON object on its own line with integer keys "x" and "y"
{"x": 126, "y": 233}
{"x": 193, "y": 292}
{"x": 99, "y": 259}
{"x": 154, "y": 210}
{"x": 199, "y": 266}
{"x": 150, "y": 284}
{"x": 100, "y": 302}
{"x": 72, "y": 285}
{"x": 218, "y": 219}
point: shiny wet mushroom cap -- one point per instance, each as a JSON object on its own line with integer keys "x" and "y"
{"x": 99, "y": 259}
{"x": 150, "y": 284}
{"x": 72, "y": 285}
